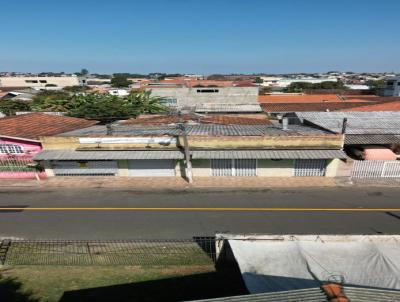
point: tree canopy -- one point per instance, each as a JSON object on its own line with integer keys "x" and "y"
{"x": 120, "y": 80}
{"x": 303, "y": 86}
{"x": 10, "y": 107}
{"x": 100, "y": 106}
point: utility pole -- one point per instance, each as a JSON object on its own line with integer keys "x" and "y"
{"x": 188, "y": 162}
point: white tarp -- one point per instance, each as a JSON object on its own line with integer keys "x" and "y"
{"x": 296, "y": 262}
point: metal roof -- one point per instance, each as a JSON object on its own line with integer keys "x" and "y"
{"x": 107, "y": 155}
{"x": 361, "y": 139}
{"x": 354, "y": 294}
{"x": 205, "y": 129}
{"x": 357, "y": 122}
{"x": 268, "y": 154}
{"x": 361, "y": 294}
{"x": 309, "y": 294}
{"x": 228, "y": 108}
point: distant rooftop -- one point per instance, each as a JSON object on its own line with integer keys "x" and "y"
{"x": 357, "y": 122}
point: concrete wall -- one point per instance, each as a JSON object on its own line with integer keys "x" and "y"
{"x": 201, "y": 167}
{"x": 275, "y": 168}
{"x": 123, "y": 168}
{"x": 72, "y": 143}
{"x": 39, "y": 81}
{"x": 190, "y": 96}
{"x": 332, "y": 167}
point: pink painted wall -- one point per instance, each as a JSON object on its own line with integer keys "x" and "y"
{"x": 30, "y": 149}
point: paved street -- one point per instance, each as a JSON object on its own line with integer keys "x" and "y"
{"x": 187, "y": 221}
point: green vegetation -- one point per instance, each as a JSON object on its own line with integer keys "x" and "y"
{"x": 376, "y": 86}
{"x": 52, "y": 283}
{"x": 10, "y": 107}
{"x": 304, "y": 86}
{"x": 57, "y": 101}
{"x": 84, "y": 72}
{"x": 120, "y": 81}
{"x": 98, "y": 106}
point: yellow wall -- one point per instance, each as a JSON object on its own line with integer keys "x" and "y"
{"x": 275, "y": 168}
{"x": 287, "y": 142}
{"x": 332, "y": 167}
{"x": 123, "y": 168}
{"x": 201, "y": 167}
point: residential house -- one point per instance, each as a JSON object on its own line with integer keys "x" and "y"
{"x": 20, "y": 140}
{"x": 214, "y": 146}
{"x": 191, "y": 94}
{"x": 40, "y": 81}
{"x": 392, "y": 87}
{"x": 372, "y": 139}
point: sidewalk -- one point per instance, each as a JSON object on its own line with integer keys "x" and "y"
{"x": 172, "y": 183}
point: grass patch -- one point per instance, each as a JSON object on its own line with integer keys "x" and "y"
{"x": 61, "y": 283}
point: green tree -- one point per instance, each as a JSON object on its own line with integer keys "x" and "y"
{"x": 376, "y": 86}
{"x": 83, "y": 73}
{"x": 103, "y": 107}
{"x": 76, "y": 89}
{"x": 57, "y": 101}
{"x": 258, "y": 80}
{"x": 144, "y": 103}
{"x": 120, "y": 80}
{"x": 10, "y": 107}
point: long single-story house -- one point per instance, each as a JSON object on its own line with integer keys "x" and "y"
{"x": 202, "y": 150}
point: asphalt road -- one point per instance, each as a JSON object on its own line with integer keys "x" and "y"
{"x": 177, "y": 224}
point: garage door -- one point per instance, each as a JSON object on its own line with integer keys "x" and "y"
{"x": 233, "y": 167}
{"x": 152, "y": 167}
{"x": 310, "y": 167}
{"x": 89, "y": 168}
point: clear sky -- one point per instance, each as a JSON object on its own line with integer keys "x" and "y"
{"x": 203, "y": 36}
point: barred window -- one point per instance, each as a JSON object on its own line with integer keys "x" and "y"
{"x": 10, "y": 149}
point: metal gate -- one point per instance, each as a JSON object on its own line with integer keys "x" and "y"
{"x": 309, "y": 167}
{"x": 85, "y": 168}
{"x": 375, "y": 169}
{"x": 234, "y": 167}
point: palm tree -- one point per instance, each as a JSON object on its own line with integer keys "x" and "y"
{"x": 144, "y": 103}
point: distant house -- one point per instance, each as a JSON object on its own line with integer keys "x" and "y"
{"x": 20, "y": 140}
{"x": 392, "y": 87}
{"x": 41, "y": 81}
{"x": 209, "y": 93}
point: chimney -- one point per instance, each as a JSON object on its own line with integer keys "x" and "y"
{"x": 344, "y": 125}
{"x": 109, "y": 129}
{"x": 285, "y": 123}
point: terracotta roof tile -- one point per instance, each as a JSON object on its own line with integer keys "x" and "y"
{"x": 34, "y": 125}
{"x": 386, "y": 106}
{"x": 295, "y": 107}
{"x": 302, "y": 98}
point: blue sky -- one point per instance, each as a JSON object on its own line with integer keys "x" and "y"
{"x": 208, "y": 36}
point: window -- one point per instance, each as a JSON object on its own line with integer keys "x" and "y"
{"x": 10, "y": 149}
{"x": 31, "y": 81}
{"x": 43, "y": 81}
{"x": 169, "y": 101}
{"x": 207, "y": 90}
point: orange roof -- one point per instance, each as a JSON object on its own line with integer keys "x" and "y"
{"x": 33, "y": 125}
{"x": 387, "y": 106}
{"x": 378, "y": 153}
{"x": 303, "y": 98}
